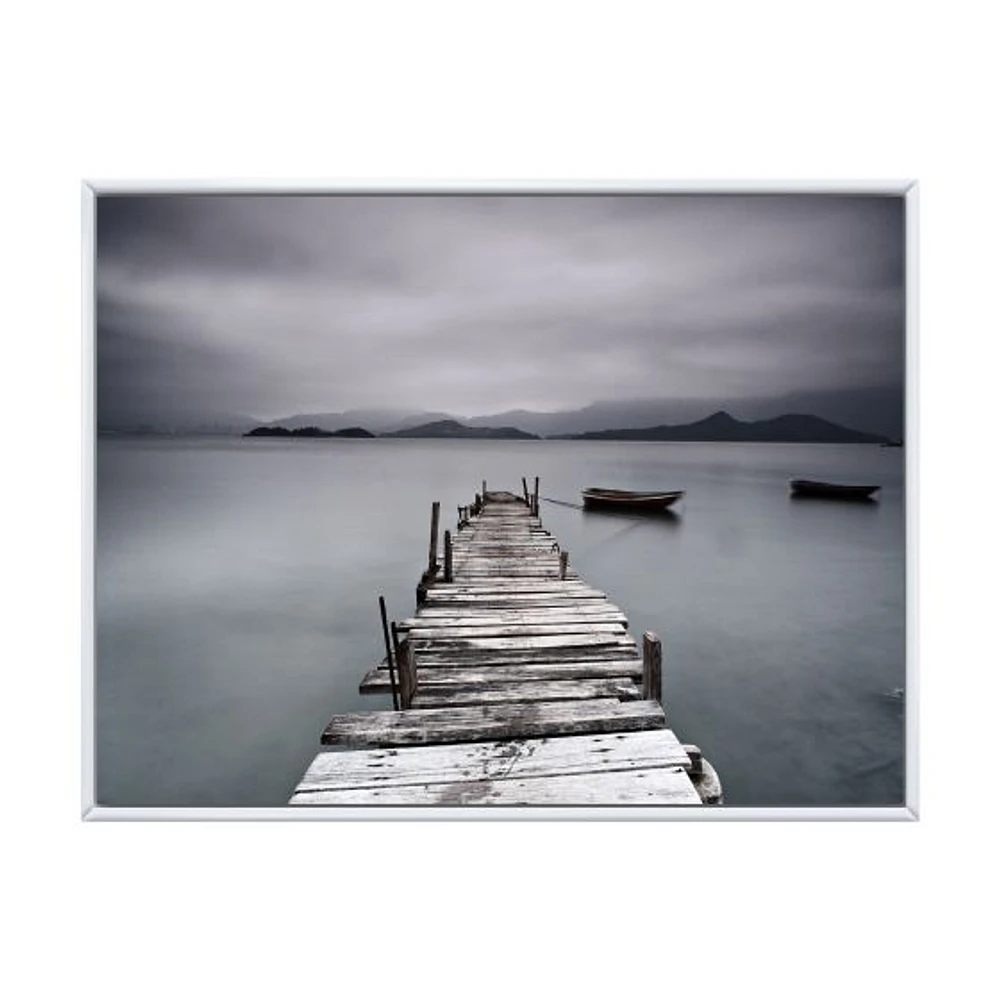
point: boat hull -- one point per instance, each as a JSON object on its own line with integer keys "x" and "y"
{"x": 830, "y": 491}
{"x": 600, "y": 499}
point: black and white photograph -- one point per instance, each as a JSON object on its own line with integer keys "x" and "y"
{"x": 501, "y": 498}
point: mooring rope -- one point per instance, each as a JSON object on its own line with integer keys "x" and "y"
{"x": 564, "y": 503}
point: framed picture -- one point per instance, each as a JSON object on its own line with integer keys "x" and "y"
{"x": 535, "y": 501}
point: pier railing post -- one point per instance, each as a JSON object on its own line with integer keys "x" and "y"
{"x": 652, "y": 667}
{"x": 563, "y": 564}
{"x": 432, "y": 556}
{"x": 484, "y": 491}
{"x": 388, "y": 653}
{"x": 527, "y": 498}
{"x": 535, "y": 508}
{"x": 407, "y": 670}
{"x": 697, "y": 761}
{"x": 447, "y": 557}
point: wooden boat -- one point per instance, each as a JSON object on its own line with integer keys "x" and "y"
{"x": 830, "y": 491}
{"x": 595, "y": 497}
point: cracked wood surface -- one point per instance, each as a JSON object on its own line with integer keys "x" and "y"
{"x": 615, "y": 768}
{"x": 466, "y": 724}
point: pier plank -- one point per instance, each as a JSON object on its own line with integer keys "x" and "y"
{"x": 538, "y": 758}
{"x": 657, "y": 787}
{"x": 523, "y": 643}
{"x": 512, "y": 657}
{"x": 376, "y": 681}
{"x": 492, "y": 722}
{"x": 502, "y": 616}
{"x": 449, "y": 630}
{"x": 599, "y": 611}
{"x": 527, "y": 588}
{"x": 437, "y": 696}
{"x": 515, "y": 600}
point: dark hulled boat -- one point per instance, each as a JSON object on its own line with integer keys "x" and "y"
{"x": 830, "y": 491}
{"x": 594, "y": 497}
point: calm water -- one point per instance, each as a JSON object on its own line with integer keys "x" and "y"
{"x": 237, "y": 586}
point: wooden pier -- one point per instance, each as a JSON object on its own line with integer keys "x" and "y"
{"x": 515, "y": 683}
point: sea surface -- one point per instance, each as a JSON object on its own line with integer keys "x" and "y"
{"x": 237, "y": 584}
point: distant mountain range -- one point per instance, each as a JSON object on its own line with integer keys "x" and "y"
{"x": 721, "y": 426}
{"x": 879, "y": 411}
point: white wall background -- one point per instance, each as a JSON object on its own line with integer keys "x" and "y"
{"x": 352, "y": 91}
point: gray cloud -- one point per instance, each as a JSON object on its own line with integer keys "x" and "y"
{"x": 269, "y": 305}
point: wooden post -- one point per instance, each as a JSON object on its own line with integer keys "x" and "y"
{"x": 407, "y": 669}
{"x": 527, "y": 499}
{"x": 433, "y": 553}
{"x": 563, "y": 563}
{"x": 652, "y": 667}
{"x": 694, "y": 752}
{"x": 447, "y": 557}
{"x": 388, "y": 653}
{"x": 484, "y": 491}
{"x": 536, "y": 497}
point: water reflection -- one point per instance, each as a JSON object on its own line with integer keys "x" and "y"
{"x": 667, "y": 518}
{"x": 855, "y": 501}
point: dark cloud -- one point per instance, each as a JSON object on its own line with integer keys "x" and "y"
{"x": 269, "y": 305}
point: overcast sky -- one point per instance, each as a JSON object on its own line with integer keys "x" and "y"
{"x": 269, "y": 306}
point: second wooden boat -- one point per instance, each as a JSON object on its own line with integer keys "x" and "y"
{"x": 830, "y": 491}
{"x": 595, "y": 497}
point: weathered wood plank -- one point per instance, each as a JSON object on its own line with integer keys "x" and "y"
{"x": 488, "y": 577}
{"x": 483, "y": 592}
{"x": 504, "y": 617}
{"x": 522, "y": 572}
{"x": 656, "y": 787}
{"x": 600, "y": 611}
{"x": 465, "y": 543}
{"x": 510, "y": 657}
{"x": 473, "y": 542}
{"x": 505, "y": 554}
{"x": 581, "y": 611}
{"x": 526, "y": 643}
{"x": 472, "y": 545}
{"x": 376, "y": 681}
{"x": 539, "y": 758}
{"x": 521, "y": 586}
{"x": 514, "y": 600}
{"x": 428, "y": 630}
{"x": 473, "y": 535}
{"x": 492, "y": 722}
{"x": 439, "y": 696}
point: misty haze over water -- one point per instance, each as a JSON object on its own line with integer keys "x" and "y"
{"x": 237, "y": 583}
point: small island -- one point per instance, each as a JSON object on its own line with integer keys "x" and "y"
{"x": 453, "y": 429}
{"x": 308, "y": 432}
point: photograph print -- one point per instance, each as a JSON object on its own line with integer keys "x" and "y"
{"x": 505, "y": 499}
